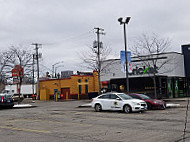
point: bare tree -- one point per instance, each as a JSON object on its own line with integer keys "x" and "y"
{"x": 16, "y": 56}
{"x": 5, "y": 59}
{"x": 147, "y": 49}
{"x": 3, "y": 62}
{"x": 2, "y": 65}
{"x": 90, "y": 59}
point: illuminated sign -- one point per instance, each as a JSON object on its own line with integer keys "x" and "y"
{"x": 144, "y": 70}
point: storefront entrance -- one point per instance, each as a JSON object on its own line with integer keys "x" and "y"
{"x": 65, "y": 93}
{"x": 166, "y": 87}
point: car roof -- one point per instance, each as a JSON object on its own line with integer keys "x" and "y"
{"x": 137, "y": 94}
{"x": 117, "y": 93}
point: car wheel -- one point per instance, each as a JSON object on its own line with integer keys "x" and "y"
{"x": 98, "y": 107}
{"x": 11, "y": 106}
{"x": 149, "y": 106}
{"x": 127, "y": 109}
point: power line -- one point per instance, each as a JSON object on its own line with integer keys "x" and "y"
{"x": 46, "y": 67}
{"x": 74, "y": 38}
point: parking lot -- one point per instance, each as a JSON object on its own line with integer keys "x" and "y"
{"x": 65, "y": 121}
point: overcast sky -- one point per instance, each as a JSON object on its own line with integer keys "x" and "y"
{"x": 65, "y": 27}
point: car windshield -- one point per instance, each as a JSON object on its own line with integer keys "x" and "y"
{"x": 144, "y": 97}
{"x": 124, "y": 96}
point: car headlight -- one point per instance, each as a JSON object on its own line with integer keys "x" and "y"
{"x": 155, "y": 102}
{"x": 135, "y": 103}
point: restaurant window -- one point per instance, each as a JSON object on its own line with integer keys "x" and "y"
{"x": 80, "y": 89}
{"x": 86, "y": 89}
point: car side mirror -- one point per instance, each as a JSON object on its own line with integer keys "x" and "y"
{"x": 118, "y": 99}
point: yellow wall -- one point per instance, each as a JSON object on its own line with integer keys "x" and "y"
{"x": 47, "y": 86}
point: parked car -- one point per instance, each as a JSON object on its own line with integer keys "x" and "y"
{"x": 151, "y": 103}
{"x": 118, "y": 101}
{"x": 6, "y": 101}
{"x": 15, "y": 97}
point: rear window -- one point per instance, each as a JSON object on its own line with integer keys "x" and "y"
{"x": 7, "y": 96}
{"x": 124, "y": 96}
{"x": 144, "y": 97}
{"x": 104, "y": 96}
{"x": 15, "y": 94}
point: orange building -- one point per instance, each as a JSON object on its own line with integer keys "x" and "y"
{"x": 74, "y": 87}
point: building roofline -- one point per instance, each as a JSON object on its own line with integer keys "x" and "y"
{"x": 159, "y": 54}
{"x": 186, "y": 44}
{"x": 53, "y": 79}
{"x": 148, "y": 55}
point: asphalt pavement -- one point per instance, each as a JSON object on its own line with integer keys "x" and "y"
{"x": 62, "y": 121}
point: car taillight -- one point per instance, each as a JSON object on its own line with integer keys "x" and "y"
{"x": 2, "y": 99}
{"x": 91, "y": 100}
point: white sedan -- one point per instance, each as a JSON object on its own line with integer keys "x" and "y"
{"x": 118, "y": 101}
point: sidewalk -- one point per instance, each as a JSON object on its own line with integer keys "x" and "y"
{"x": 26, "y": 103}
{"x": 176, "y": 102}
{"x": 176, "y": 99}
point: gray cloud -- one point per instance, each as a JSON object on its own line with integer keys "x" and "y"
{"x": 65, "y": 27}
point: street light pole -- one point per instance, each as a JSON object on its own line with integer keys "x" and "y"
{"x": 125, "y": 42}
{"x": 53, "y": 67}
{"x": 57, "y": 68}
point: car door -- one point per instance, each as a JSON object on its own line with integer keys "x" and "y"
{"x": 115, "y": 102}
{"x": 105, "y": 101}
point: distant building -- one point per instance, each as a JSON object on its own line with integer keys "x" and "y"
{"x": 66, "y": 74}
{"x": 170, "y": 78}
{"x": 73, "y": 87}
{"x": 186, "y": 53}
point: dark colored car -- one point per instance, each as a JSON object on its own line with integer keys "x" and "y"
{"x": 151, "y": 103}
{"x": 6, "y": 101}
{"x": 15, "y": 97}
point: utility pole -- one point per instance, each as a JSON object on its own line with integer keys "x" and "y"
{"x": 37, "y": 59}
{"x": 99, "y": 45}
{"x": 33, "y": 75}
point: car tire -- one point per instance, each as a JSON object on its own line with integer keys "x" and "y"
{"x": 149, "y": 106}
{"x": 10, "y": 107}
{"x": 98, "y": 108}
{"x": 127, "y": 109}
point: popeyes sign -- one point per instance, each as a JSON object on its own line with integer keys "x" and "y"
{"x": 17, "y": 71}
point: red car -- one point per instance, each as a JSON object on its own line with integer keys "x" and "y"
{"x": 151, "y": 103}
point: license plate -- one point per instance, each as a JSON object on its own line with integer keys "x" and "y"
{"x": 8, "y": 101}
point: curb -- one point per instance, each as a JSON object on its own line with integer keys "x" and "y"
{"x": 85, "y": 105}
{"x": 176, "y": 100}
{"x": 175, "y": 106}
{"x": 20, "y": 106}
